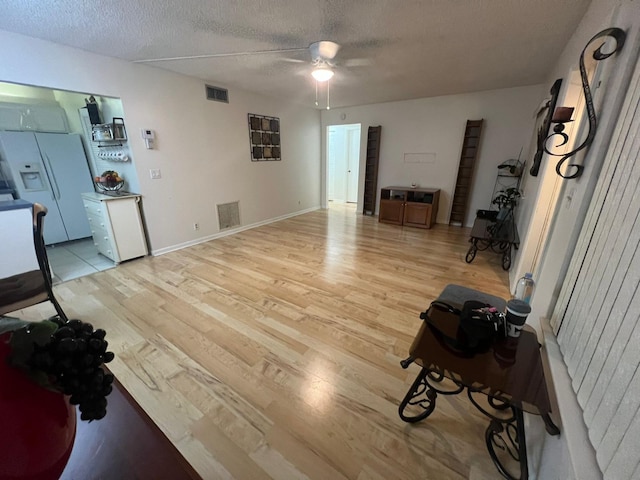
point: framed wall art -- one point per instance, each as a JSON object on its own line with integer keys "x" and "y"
{"x": 264, "y": 138}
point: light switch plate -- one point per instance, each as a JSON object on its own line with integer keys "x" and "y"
{"x": 155, "y": 173}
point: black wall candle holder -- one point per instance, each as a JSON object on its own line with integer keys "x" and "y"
{"x": 574, "y": 170}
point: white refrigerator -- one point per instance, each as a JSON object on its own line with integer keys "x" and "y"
{"x": 50, "y": 169}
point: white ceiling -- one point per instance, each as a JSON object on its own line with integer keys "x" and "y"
{"x": 417, "y": 48}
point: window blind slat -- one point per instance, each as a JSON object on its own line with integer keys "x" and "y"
{"x": 616, "y": 389}
{"x": 611, "y": 164}
{"x": 618, "y": 452}
{"x": 604, "y": 344}
{"x": 610, "y": 238}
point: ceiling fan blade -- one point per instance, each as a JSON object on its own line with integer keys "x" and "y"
{"x": 292, "y": 60}
{"x": 220, "y": 55}
{"x": 357, "y": 62}
{"x": 324, "y": 50}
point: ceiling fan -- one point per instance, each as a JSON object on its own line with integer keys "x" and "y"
{"x": 323, "y": 59}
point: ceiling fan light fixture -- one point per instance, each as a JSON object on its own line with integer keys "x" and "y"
{"x": 322, "y": 73}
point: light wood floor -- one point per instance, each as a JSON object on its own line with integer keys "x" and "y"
{"x": 274, "y": 353}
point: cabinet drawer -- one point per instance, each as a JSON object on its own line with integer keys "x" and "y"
{"x": 100, "y": 232}
{"x": 105, "y": 246}
{"x": 96, "y": 221}
{"x": 94, "y": 208}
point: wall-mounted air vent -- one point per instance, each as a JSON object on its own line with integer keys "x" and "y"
{"x": 228, "y": 215}
{"x": 217, "y": 94}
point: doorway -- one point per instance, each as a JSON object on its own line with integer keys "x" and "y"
{"x": 42, "y": 124}
{"x": 343, "y": 163}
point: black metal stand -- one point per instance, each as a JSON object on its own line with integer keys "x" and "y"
{"x": 498, "y": 235}
{"x": 505, "y": 433}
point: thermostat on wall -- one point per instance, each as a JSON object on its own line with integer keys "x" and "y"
{"x": 149, "y": 136}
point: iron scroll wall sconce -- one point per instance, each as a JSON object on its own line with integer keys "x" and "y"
{"x": 543, "y": 131}
{"x": 562, "y": 115}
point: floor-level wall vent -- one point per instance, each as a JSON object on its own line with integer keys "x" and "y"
{"x": 228, "y": 215}
{"x": 217, "y": 94}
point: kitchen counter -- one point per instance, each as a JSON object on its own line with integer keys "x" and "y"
{"x": 101, "y": 197}
{"x": 7, "y": 205}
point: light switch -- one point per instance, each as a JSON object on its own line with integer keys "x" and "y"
{"x": 155, "y": 173}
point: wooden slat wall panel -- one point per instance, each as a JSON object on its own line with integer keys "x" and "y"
{"x": 598, "y": 311}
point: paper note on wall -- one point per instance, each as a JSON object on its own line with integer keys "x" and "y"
{"x": 420, "y": 157}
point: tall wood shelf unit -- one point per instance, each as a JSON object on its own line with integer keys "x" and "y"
{"x": 371, "y": 170}
{"x": 470, "y": 148}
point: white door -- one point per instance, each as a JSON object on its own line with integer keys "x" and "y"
{"x": 353, "y": 162}
{"x": 343, "y": 160}
{"x": 331, "y": 163}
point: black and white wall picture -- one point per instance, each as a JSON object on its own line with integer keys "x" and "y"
{"x": 264, "y": 138}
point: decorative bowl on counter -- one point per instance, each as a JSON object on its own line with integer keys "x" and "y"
{"x": 109, "y": 181}
{"x": 109, "y": 185}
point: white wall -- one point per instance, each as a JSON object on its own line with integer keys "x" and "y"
{"x": 436, "y": 125}
{"x": 575, "y": 194}
{"x": 202, "y": 146}
{"x": 70, "y": 102}
{"x": 25, "y": 94}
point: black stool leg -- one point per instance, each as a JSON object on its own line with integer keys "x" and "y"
{"x": 421, "y": 395}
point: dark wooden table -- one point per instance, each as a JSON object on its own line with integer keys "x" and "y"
{"x": 501, "y": 382}
{"x": 126, "y": 444}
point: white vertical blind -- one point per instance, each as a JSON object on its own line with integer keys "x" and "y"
{"x": 597, "y": 313}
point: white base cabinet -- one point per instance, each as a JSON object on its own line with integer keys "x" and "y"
{"x": 116, "y": 225}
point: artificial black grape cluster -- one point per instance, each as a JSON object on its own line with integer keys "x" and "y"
{"x": 73, "y": 358}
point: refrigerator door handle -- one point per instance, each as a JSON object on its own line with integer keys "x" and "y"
{"x": 52, "y": 177}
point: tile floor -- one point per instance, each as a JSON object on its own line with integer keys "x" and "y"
{"x": 75, "y": 259}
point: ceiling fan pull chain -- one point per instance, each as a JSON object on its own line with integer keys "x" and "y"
{"x": 328, "y": 107}
{"x": 316, "y": 93}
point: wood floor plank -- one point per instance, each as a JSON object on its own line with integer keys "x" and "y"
{"x": 235, "y": 460}
{"x": 274, "y": 352}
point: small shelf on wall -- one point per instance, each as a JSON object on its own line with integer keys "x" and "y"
{"x": 108, "y": 134}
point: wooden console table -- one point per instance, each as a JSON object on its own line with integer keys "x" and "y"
{"x": 509, "y": 376}
{"x": 126, "y": 443}
{"x": 413, "y": 207}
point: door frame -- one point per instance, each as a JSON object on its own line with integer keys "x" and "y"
{"x": 358, "y": 162}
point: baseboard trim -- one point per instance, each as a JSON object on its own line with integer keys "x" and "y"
{"x": 190, "y": 243}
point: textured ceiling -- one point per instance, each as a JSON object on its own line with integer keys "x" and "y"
{"x": 416, "y": 48}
